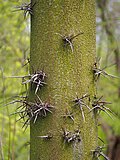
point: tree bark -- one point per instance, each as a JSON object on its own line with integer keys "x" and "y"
{"x": 69, "y": 74}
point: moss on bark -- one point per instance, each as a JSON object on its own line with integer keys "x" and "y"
{"x": 69, "y": 74}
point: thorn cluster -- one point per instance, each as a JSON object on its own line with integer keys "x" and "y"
{"x": 40, "y": 110}
{"x": 98, "y": 152}
{"x": 80, "y": 102}
{"x": 37, "y": 78}
{"x": 67, "y": 40}
{"x": 27, "y": 8}
{"x": 97, "y": 72}
{"x": 71, "y": 137}
{"x": 30, "y": 111}
{"x": 100, "y": 105}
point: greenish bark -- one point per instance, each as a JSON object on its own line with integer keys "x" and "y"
{"x": 69, "y": 74}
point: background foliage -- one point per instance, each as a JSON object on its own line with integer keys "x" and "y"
{"x": 14, "y": 50}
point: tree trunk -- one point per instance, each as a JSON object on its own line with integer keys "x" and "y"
{"x": 68, "y": 65}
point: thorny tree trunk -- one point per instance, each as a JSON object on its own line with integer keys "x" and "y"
{"x": 69, "y": 74}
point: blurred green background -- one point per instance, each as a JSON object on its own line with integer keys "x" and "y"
{"x": 14, "y": 52}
